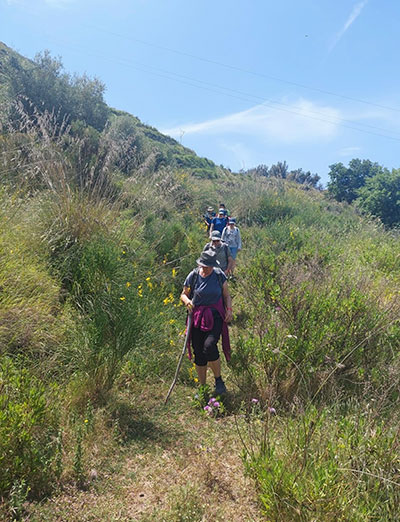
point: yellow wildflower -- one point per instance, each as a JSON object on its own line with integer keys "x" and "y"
{"x": 174, "y": 272}
{"x": 172, "y": 321}
{"x": 148, "y": 279}
{"x": 122, "y": 298}
{"x": 128, "y": 284}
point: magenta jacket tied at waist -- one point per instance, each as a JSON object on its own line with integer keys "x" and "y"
{"x": 203, "y": 319}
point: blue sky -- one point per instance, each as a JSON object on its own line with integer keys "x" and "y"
{"x": 242, "y": 82}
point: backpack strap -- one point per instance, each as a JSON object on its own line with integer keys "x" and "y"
{"x": 221, "y": 282}
{"x": 194, "y": 282}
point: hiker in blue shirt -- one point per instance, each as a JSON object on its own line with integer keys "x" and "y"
{"x": 219, "y": 222}
{"x": 206, "y": 295}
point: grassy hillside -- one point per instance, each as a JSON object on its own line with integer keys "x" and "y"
{"x": 98, "y": 232}
{"x": 45, "y": 84}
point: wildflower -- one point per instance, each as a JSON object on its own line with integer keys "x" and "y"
{"x": 208, "y": 409}
{"x": 171, "y": 342}
{"x": 122, "y": 298}
{"x": 172, "y": 321}
{"x": 272, "y": 411}
{"x": 291, "y": 336}
{"x": 173, "y": 272}
{"x": 128, "y": 284}
{"x": 168, "y": 299}
{"x": 216, "y": 404}
{"x": 278, "y": 309}
{"x": 148, "y": 279}
{"x": 86, "y": 421}
{"x": 123, "y": 252}
{"x": 196, "y": 379}
{"x": 255, "y": 401}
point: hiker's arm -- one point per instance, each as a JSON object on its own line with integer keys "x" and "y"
{"x": 211, "y": 227}
{"x": 239, "y": 240}
{"x": 228, "y": 302}
{"x": 185, "y": 298}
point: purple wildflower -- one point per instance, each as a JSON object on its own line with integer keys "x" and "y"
{"x": 216, "y": 404}
{"x": 208, "y": 409}
{"x": 272, "y": 411}
{"x": 254, "y": 401}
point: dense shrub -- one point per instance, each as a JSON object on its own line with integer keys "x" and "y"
{"x": 28, "y": 431}
{"x": 326, "y": 465}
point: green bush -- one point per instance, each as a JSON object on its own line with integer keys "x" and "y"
{"x": 326, "y": 465}
{"x": 28, "y": 431}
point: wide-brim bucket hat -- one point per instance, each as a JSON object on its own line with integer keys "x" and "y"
{"x": 208, "y": 258}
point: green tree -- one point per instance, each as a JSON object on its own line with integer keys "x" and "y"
{"x": 345, "y": 181}
{"x": 44, "y": 87}
{"x": 380, "y": 196}
{"x": 306, "y": 178}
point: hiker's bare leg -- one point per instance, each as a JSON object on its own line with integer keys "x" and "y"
{"x": 215, "y": 367}
{"x": 201, "y": 373}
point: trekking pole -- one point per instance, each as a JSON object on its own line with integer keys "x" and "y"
{"x": 189, "y": 327}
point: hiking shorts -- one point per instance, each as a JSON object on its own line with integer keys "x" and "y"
{"x": 234, "y": 251}
{"x": 205, "y": 343}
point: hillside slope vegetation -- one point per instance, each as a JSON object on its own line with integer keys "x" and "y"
{"x": 97, "y": 237}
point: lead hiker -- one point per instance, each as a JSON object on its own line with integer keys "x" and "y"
{"x": 208, "y": 217}
{"x": 206, "y": 296}
{"x": 224, "y": 257}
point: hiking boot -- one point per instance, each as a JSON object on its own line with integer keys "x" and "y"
{"x": 220, "y": 387}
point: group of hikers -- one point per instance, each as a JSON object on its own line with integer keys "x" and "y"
{"x": 206, "y": 296}
{"x": 224, "y": 237}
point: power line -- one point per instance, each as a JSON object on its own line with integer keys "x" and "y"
{"x": 247, "y": 71}
{"x": 240, "y": 95}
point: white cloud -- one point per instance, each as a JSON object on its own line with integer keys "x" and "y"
{"x": 298, "y": 122}
{"x": 58, "y": 3}
{"x": 349, "y": 151}
{"x": 353, "y": 15}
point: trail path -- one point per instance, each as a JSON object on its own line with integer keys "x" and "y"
{"x": 176, "y": 465}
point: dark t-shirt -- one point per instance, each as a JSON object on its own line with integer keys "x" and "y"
{"x": 208, "y": 290}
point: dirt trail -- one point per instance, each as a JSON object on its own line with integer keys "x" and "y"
{"x": 177, "y": 465}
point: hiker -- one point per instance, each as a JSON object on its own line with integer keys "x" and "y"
{"x": 231, "y": 236}
{"x": 219, "y": 222}
{"x": 208, "y": 217}
{"x": 205, "y": 294}
{"x": 226, "y": 211}
{"x": 224, "y": 257}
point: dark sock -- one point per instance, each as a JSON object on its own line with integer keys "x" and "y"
{"x": 218, "y": 379}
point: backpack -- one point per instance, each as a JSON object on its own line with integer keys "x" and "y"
{"x": 196, "y": 276}
{"x": 224, "y": 246}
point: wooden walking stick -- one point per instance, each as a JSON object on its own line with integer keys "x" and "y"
{"x": 189, "y": 327}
